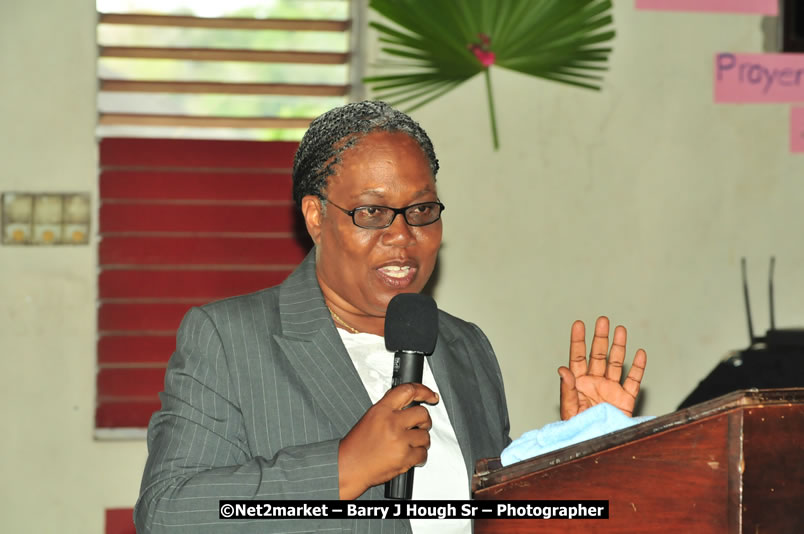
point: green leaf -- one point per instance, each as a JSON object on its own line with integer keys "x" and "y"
{"x": 556, "y": 40}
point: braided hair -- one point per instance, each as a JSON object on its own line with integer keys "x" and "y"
{"x": 341, "y": 128}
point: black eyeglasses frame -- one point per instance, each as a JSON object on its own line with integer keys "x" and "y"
{"x": 397, "y": 211}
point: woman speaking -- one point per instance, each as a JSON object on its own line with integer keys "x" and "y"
{"x": 284, "y": 393}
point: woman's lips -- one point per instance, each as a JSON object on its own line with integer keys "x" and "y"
{"x": 397, "y": 276}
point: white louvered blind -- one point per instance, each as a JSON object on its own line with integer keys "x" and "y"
{"x": 239, "y": 69}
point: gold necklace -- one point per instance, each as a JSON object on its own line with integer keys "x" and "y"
{"x": 342, "y": 322}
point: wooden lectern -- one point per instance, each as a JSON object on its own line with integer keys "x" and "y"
{"x": 733, "y": 465}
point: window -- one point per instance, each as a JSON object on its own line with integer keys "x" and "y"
{"x": 245, "y": 69}
{"x": 200, "y": 113}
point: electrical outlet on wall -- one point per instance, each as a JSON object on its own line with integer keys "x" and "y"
{"x": 76, "y": 218}
{"x": 45, "y": 218}
{"x": 17, "y": 218}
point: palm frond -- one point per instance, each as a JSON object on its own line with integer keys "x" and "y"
{"x": 441, "y": 43}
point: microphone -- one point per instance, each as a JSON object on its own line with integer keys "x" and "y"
{"x": 411, "y": 330}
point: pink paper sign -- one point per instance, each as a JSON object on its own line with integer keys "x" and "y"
{"x": 797, "y": 130}
{"x": 763, "y": 7}
{"x": 759, "y": 77}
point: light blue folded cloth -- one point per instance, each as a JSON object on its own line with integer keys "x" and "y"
{"x": 591, "y": 423}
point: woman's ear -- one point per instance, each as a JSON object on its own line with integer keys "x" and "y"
{"x": 312, "y": 210}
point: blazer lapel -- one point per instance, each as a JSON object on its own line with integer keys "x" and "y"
{"x": 457, "y": 382}
{"x": 315, "y": 350}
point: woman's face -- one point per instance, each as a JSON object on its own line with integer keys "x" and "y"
{"x": 361, "y": 269}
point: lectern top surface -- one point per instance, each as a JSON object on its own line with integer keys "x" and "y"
{"x": 489, "y": 471}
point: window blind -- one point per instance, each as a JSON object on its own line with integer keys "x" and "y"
{"x": 177, "y": 75}
{"x": 195, "y": 196}
{"x": 182, "y": 222}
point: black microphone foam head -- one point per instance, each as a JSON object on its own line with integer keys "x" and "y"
{"x": 411, "y": 324}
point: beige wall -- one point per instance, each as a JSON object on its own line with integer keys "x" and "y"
{"x": 55, "y": 477}
{"x": 636, "y": 202}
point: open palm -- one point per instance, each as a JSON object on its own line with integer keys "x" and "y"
{"x": 585, "y": 384}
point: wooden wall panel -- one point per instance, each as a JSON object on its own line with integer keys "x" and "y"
{"x": 130, "y": 382}
{"x": 161, "y": 185}
{"x": 119, "y": 521}
{"x": 182, "y": 222}
{"x": 135, "y": 349}
{"x": 195, "y": 154}
{"x": 197, "y": 218}
{"x": 183, "y": 284}
{"x": 204, "y": 251}
{"x": 141, "y": 317}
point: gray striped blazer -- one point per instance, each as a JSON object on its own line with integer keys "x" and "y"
{"x": 257, "y": 396}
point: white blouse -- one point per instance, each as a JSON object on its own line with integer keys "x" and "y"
{"x": 444, "y": 475}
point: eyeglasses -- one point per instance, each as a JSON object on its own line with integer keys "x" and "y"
{"x": 376, "y": 217}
